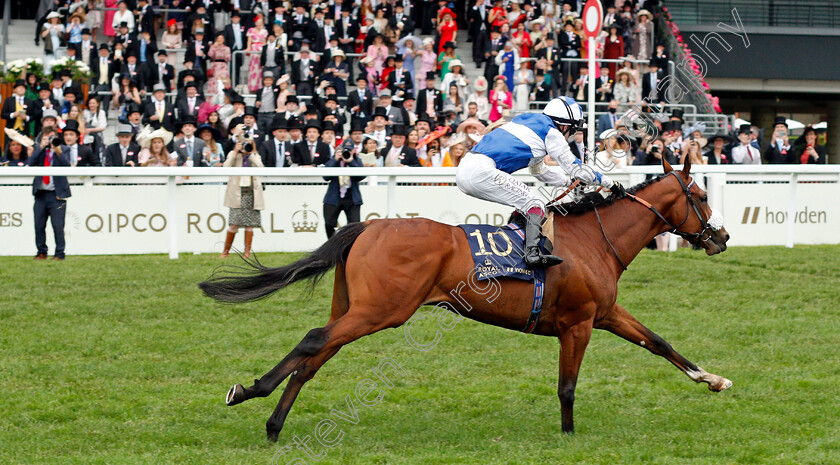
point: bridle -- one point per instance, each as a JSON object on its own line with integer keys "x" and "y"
{"x": 673, "y": 229}
{"x": 689, "y": 200}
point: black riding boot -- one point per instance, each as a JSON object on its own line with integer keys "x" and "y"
{"x": 533, "y": 255}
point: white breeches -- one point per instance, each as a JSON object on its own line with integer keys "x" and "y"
{"x": 477, "y": 176}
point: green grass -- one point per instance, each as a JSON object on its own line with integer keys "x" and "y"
{"x": 119, "y": 360}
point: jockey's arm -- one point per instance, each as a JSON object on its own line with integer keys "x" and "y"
{"x": 551, "y": 175}
{"x": 558, "y": 149}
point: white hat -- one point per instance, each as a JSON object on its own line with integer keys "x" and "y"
{"x": 19, "y": 138}
{"x": 339, "y": 53}
{"x": 145, "y": 137}
{"x": 480, "y": 84}
{"x": 456, "y": 62}
{"x": 428, "y": 41}
{"x": 53, "y": 14}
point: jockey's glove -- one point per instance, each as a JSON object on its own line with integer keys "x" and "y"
{"x": 618, "y": 190}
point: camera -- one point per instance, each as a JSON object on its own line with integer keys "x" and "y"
{"x": 247, "y": 142}
{"x": 55, "y": 142}
{"x": 347, "y": 155}
{"x": 654, "y": 149}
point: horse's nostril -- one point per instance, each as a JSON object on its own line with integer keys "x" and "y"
{"x": 727, "y": 238}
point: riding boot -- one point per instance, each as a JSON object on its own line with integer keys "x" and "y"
{"x": 228, "y": 244}
{"x": 249, "y": 236}
{"x": 533, "y": 255}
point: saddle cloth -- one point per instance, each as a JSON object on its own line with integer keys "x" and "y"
{"x": 498, "y": 252}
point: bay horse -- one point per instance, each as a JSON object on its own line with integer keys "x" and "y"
{"x": 386, "y": 269}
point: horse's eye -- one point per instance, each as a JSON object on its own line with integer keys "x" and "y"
{"x": 704, "y": 199}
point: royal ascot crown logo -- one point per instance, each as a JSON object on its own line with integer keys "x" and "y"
{"x": 304, "y": 220}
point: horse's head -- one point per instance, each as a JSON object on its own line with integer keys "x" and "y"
{"x": 693, "y": 218}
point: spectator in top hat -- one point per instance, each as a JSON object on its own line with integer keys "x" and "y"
{"x": 396, "y": 153}
{"x": 161, "y": 72}
{"x": 380, "y": 125}
{"x": 266, "y": 102}
{"x": 191, "y": 102}
{"x": 188, "y": 147}
{"x": 124, "y": 152}
{"x": 343, "y": 192}
{"x": 311, "y": 151}
{"x": 51, "y": 194}
{"x": 78, "y": 155}
{"x": 18, "y": 111}
{"x": 277, "y": 150}
{"x": 158, "y": 112}
{"x": 430, "y": 99}
{"x": 654, "y": 89}
{"x": 779, "y": 151}
{"x": 360, "y": 101}
{"x": 718, "y": 154}
{"x": 809, "y": 151}
{"x": 745, "y": 153}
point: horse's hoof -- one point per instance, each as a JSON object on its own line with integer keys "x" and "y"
{"x": 235, "y": 395}
{"x": 722, "y": 385}
{"x": 272, "y": 435}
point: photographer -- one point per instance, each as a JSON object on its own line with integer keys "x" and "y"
{"x": 780, "y": 151}
{"x": 244, "y": 194}
{"x": 343, "y": 192}
{"x": 51, "y": 194}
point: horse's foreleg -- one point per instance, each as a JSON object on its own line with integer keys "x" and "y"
{"x": 573, "y": 344}
{"x": 622, "y": 324}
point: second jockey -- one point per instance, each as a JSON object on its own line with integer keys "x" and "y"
{"x": 485, "y": 171}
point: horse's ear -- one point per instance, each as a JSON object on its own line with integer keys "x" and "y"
{"x": 665, "y": 165}
{"x": 686, "y": 166}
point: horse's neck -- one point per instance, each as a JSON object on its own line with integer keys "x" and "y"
{"x": 630, "y": 226}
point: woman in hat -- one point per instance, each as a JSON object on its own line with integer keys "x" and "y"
{"x": 448, "y": 54}
{"x": 624, "y": 89}
{"x": 455, "y": 151}
{"x": 19, "y": 149}
{"x": 455, "y": 77}
{"x": 378, "y": 53}
{"x": 642, "y": 47}
{"x": 808, "y": 151}
{"x": 452, "y": 102}
{"x": 613, "y": 47}
{"x": 256, "y": 40}
{"x": 523, "y": 81}
{"x": 717, "y": 153}
{"x": 497, "y": 15}
{"x": 447, "y": 28}
{"x": 508, "y": 61}
{"x": 427, "y": 59}
{"x": 371, "y": 155}
{"x": 501, "y": 99}
{"x": 219, "y": 53}
{"x": 171, "y": 40}
{"x": 479, "y": 97}
{"x": 74, "y": 29}
{"x": 213, "y": 154}
{"x": 153, "y": 148}
{"x": 629, "y": 66}
{"x": 407, "y": 52}
{"x": 53, "y": 35}
{"x": 244, "y": 197}
{"x": 285, "y": 92}
{"x": 380, "y": 22}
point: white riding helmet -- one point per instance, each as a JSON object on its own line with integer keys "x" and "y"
{"x": 565, "y": 111}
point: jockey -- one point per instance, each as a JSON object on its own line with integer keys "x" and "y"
{"x": 485, "y": 171}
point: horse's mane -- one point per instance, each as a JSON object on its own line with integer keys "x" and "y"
{"x": 594, "y": 200}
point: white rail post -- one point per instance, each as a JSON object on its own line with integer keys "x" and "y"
{"x": 791, "y": 215}
{"x": 172, "y": 220}
{"x": 392, "y": 196}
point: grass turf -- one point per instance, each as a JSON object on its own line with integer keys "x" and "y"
{"x": 120, "y": 360}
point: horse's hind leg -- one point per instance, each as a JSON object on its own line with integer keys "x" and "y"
{"x": 310, "y": 345}
{"x": 343, "y": 331}
{"x": 622, "y": 324}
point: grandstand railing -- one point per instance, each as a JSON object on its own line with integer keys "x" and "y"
{"x": 716, "y": 177}
{"x": 775, "y": 13}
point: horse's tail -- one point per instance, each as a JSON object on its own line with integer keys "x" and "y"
{"x": 259, "y": 281}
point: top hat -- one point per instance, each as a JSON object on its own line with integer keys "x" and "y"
{"x": 295, "y": 123}
{"x": 328, "y": 126}
{"x": 385, "y": 93}
{"x": 744, "y": 129}
{"x": 124, "y": 24}
{"x": 677, "y": 113}
{"x": 291, "y": 99}
{"x": 449, "y": 44}
{"x": 19, "y": 83}
{"x": 726, "y": 138}
{"x": 158, "y": 86}
{"x": 357, "y": 125}
{"x": 187, "y": 119}
{"x": 251, "y": 110}
{"x": 399, "y": 130}
{"x": 43, "y": 86}
{"x": 72, "y": 125}
{"x": 278, "y": 122}
{"x": 125, "y": 130}
{"x": 313, "y": 123}
{"x": 133, "y": 108}
{"x": 780, "y": 120}
{"x": 104, "y": 46}
{"x": 431, "y": 75}
{"x": 162, "y": 52}
{"x": 86, "y": 31}
{"x": 380, "y": 111}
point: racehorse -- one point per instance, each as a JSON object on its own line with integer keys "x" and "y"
{"x": 386, "y": 269}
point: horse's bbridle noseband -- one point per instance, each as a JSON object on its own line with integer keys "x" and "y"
{"x": 689, "y": 200}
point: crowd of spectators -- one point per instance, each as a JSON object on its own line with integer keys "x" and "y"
{"x": 321, "y": 77}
